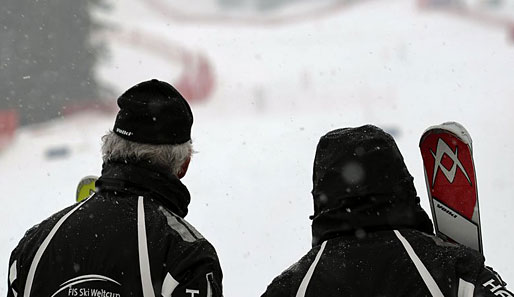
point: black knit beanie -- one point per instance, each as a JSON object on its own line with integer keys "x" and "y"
{"x": 154, "y": 112}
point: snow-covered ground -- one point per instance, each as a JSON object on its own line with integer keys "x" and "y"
{"x": 278, "y": 90}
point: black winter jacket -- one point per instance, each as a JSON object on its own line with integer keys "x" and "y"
{"x": 392, "y": 263}
{"x": 128, "y": 239}
{"x": 370, "y": 235}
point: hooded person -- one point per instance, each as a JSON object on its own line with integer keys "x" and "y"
{"x": 130, "y": 237}
{"x": 370, "y": 236}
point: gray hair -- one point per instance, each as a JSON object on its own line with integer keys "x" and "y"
{"x": 116, "y": 148}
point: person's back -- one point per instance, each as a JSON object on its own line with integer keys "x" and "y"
{"x": 380, "y": 265}
{"x": 97, "y": 249}
{"x": 130, "y": 237}
{"x": 370, "y": 236}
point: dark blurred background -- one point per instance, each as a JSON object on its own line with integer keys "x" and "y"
{"x": 48, "y": 57}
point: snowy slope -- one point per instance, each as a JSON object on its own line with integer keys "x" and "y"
{"x": 278, "y": 90}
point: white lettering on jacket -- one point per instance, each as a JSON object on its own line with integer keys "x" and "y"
{"x": 192, "y": 292}
{"x": 496, "y": 289}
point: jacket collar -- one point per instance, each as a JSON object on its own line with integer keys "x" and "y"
{"x": 375, "y": 213}
{"x": 144, "y": 178}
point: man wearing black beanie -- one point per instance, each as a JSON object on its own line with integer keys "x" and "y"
{"x": 370, "y": 236}
{"x": 130, "y": 237}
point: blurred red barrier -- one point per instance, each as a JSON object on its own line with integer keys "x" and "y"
{"x": 8, "y": 126}
{"x": 196, "y": 82}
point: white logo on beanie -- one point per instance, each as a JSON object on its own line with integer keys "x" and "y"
{"x": 127, "y": 133}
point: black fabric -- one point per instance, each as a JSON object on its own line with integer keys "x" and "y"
{"x": 363, "y": 194}
{"x": 492, "y": 284}
{"x": 98, "y": 244}
{"x": 361, "y": 184}
{"x": 154, "y": 112}
{"x": 378, "y": 265}
{"x": 144, "y": 178}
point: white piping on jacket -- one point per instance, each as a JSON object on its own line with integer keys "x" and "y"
{"x": 168, "y": 286}
{"x": 144, "y": 260}
{"x": 307, "y": 278}
{"x": 425, "y": 275}
{"x": 466, "y": 289}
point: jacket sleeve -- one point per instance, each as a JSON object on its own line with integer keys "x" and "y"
{"x": 22, "y": 256}
{"x": 18, "y": 269}
{"x": 12, "y": 282}
{"x": 288, "y": 282}
{"x": 490, "y": 284}
{"x": 201, "y": 285}
{"x": 198, "y": 274}
{"x": 278, "y": 288}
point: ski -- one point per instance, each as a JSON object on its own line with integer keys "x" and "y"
{"x": 86, "y": 187}
{"x": 450, "y": 177}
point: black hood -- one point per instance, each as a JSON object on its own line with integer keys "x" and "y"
{"x": 146, "y": 179}
{"x": 361, "y": 184}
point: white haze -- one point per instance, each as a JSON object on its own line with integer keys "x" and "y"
{"x": 278, "y": 90}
